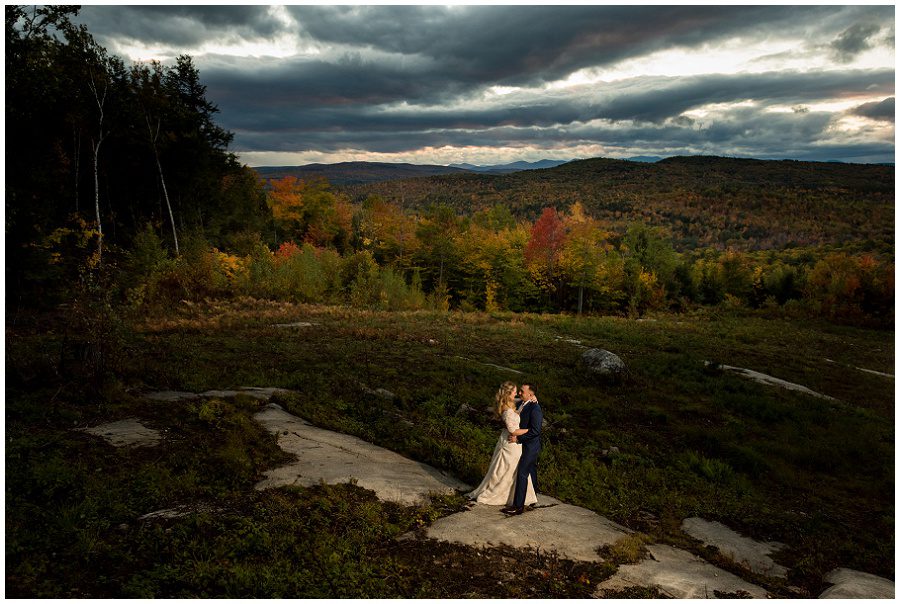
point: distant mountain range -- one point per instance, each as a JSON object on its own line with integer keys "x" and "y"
{"x": 645, "y": 158}
{"x": 515, "y": 166}
{"x": 362, "y": 172}
{"x": 356, "y": 172}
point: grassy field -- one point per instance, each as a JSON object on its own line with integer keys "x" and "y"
{"x": 817, "y": 475}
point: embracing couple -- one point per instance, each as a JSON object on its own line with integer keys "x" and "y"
{"x": 512, "y": 476}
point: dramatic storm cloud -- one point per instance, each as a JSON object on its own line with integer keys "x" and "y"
{"x": 431, "y": 84}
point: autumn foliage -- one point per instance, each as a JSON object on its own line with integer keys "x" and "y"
{"x": 375, "y": 254}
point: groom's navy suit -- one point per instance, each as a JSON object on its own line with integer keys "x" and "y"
{"x": 530, "y": 417}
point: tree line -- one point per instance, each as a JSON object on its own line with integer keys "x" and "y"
{"x": 96, "y": 149}
{"x": 376, "y": 254}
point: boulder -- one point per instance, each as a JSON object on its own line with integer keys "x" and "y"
{"x": 603, "y": 362}
{"x": 465, "y": 409}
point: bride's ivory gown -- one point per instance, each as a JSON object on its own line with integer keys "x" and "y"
{"x": 499, "y": 484}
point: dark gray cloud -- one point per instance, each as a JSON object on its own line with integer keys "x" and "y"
{"x": 177, "y": 25}
{"x": 651, "y": 99}
{"x": 533, "y": 44}
{"x": 744, "y": 132}
{"x": 883, "y": 110}
{"x": 401, "y": 78}
{"x": 854, "y": 40}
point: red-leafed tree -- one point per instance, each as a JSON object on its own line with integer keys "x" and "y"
{"x": 544, "y": 246}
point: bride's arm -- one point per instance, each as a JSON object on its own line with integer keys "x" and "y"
{"x": 511, "y": 418}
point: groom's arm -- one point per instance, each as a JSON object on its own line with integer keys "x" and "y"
{"x": 535, "y": 420}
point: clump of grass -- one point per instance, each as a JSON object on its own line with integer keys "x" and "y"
{"x": 628, "y": 549}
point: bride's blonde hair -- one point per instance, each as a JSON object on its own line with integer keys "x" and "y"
{"x": 505, "y": 398}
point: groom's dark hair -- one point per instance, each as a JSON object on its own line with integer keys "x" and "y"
{"x": 531, "y": 386}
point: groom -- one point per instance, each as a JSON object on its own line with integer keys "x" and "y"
{"x": 531, "y": 417}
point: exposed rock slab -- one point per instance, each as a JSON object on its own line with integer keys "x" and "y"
{"x": 126, "y": 432}
{"x": 769, "y": 380}
{"x": 262, "y": 394}
{"x": 677, "y": 574}
{"x": 256, "y": 392}
{"x": 872, "y": 371}
{"x": 570, "y": 341}
{"x": 332, "y": 457}
{"x": 573, "y": 532}
{"x": 170, "y": 396}
{"x": 500, "y": 367}
{"x": 179, "y": 511}
{"x": 855, "y": 584}
{"x": 755, "y": 555}
{"x": 295, "y": 324}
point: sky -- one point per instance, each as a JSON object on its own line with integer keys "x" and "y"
{"x": 496, "y": 84}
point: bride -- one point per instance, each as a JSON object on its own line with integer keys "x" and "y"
{"x": 498, "y": 486}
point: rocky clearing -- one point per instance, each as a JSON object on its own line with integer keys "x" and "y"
{"x": 571, "y": 532}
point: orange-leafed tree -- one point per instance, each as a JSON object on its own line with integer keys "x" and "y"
{"x": 307, "y": 210}
{"x": 548, "y": 236}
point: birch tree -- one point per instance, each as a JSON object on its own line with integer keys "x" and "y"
{"x": 147, "y": 85}
{"x": 100, "y": 99}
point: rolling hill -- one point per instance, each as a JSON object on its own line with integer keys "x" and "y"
{"x": 355, "y": 172}
{"x": 701, "y": 200}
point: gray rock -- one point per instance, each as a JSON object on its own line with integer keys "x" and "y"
{"x": 296, "y": 324}
{"x": 677, "y": 574}
{"x": 262, "y": 393}
{"x": 752, "y": 554}
{"x": 379, "y": 392}
{"x": 170, "y": 396}
{"x": 335, "y": 458}
{"x": 849, "y": 583}
{"x": 219, "y": 394}
{"x": 179, "y": 511}
{"x": 572, "y": 532}
{"x": 769, "y": 380}
{"x": 383, "y": 393}
{"x": 603, "y": 362}
{"x": 500, "y": 367}
{"x": 126, "y": 432}
{"x": 259, "y": 393}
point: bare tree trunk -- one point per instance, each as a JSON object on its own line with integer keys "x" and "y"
{"x": 101, "y": 100}
{"x": 153, "y": 138}
{"x": 77, "y": 146}
{"x": 96, "y": 147}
